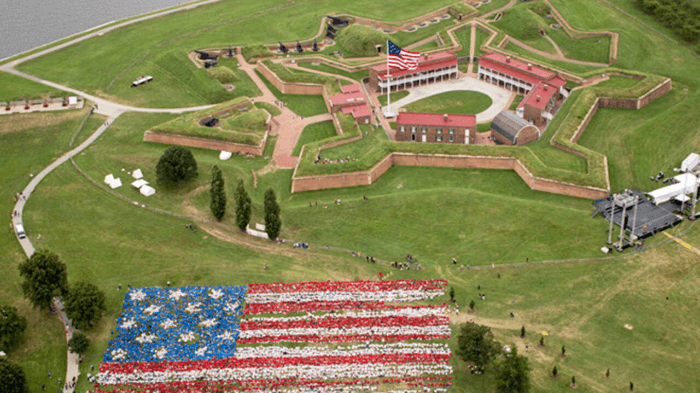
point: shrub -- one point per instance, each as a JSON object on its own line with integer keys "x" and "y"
{"x": 471, "y": 305}
{"x": 522, "y": 331}
{"x": 452, "y": 293}
{"x": 175, "y": 165}
{"x": 555, "y": 371}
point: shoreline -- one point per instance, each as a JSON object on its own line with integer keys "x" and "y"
{"x": 95, "y": 29}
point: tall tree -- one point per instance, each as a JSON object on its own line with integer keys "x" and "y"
{"x": 12, "y": 326}
{"x": 78, "y": 343}
{"x": 45, "y": 276}
{"x": 476, "y": 344}
{"x": 84, "y": 304}
{"x": 218, "y": 193}
{"x": 12, "y": 378}
{"x": 513, "y": 373}
{"x": 177, "y": 164}
{"x": 243, "y": 206}
{"x": 273, "y": 223}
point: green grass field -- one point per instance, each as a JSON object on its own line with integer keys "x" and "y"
{"x": 394, "y": 96}
{"x": 358, "y": 75}
{"x": 15, "y": 88}
{"x": 454, "y": 102}
{"x": 302, "y": 105}
{"x": 314, "y": 132}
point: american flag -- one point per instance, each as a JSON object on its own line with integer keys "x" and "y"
{"x": 402, "y": 59}
{"x": 328, "y": 336}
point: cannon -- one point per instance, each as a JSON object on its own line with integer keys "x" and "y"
{"x": 338, "y": 21}
{"x": 206, "y": 56}
{"x": 283, "y": 48}
{"x": 299, "y": 48}
{"x": 315, "y": 48}
{"x": 210, "y": 122}
{"x": 331, "y": 29}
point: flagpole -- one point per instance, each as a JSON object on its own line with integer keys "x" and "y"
{"x": 388, "y": 80}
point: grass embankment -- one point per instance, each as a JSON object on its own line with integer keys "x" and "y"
{"x": 15, "y": 88}
{"x": 453, "y": 102}
{"x": 291, "y": 75}
{"x": 239, "y": 122}
{"x": 301, "y": 104}
{"x": 314, "y": 132}
{"x": 357, "y": 75}
{"x": 525, "y": 21}
{"x": 258, "y": 51}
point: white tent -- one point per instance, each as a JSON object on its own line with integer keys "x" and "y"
{"x": 72, "y": 100}
{"x": 225, "y": 155}
{"x": 137, "y": 174}
{"x": 109, "y": 179}
{"x": 147, "y": 191}
{"x": 690, "y": 162}
{"x": 139, "y": 183}
{"x": 686, "y": 184}
{"x": 116, "y": 183}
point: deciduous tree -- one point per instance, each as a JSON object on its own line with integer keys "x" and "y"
{"x": 176, "y": 165}
{"x": 12, "y": 378}
{"x": 84, "y": 304}
{"x": 476, "y": 344}
{"x": 513, "y": 373}
{"x": 78, "y": 343}
{"x": 45, "y": 276}
{"x": 12, "y": 326}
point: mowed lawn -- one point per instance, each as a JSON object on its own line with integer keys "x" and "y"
{"x": 16, "y": 88}
{"x": 301, "y": 104}
{"x": 23, "y": 151}
{"x": 580, "y": 305}
{"x": 312, "y": 133}
{"x": 453, "y": 102}
{"x": 159, "y": 47}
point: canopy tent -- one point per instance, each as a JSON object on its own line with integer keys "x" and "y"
{"x": 686, "y": 184}
{"x": 225, "y": 155}
{"x": 139, "y": 183}
{"x": 147, "y": 191}
{"x": 109, "y": 179}
{"x": 116, "y": 183}
{"x": 72, "y": 100}
{"x": 137, "y": 174}
{"x": 690, "y": 162}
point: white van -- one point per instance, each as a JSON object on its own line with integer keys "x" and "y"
{"x": 20, "y": 231}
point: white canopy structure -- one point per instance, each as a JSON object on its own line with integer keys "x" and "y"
{"x": 686, "y": 184}
{"x": 691, "y": 162}
{"x": 116, "y": 183}
{"x": 225, "y": 155}
{"x": 72, "y": 100}
{"x": 109, "y": 179}
{"x": 137, "y": 174}
{"x": 147, "y": 190}
{"x": 139, "y": 183}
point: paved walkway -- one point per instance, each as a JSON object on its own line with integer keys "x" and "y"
{"x": 28, "y": 247}
{"x": 500, "y": 97}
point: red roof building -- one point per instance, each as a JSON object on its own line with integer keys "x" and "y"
{"x": 436, "y": 128}
{"x": 434, "y": 67}
{"x": 352, "y": 101}
{"x": 514, "y": 74}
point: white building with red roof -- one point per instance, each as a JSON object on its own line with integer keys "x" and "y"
{"x": 434, "y": 67}
{"x": 515, "y": 75}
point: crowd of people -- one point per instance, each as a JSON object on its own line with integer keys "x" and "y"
{"x": 324, "y": 161}
{"x": 207, "y": 323}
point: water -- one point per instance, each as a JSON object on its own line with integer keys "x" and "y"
{"x": 26, "y": 24}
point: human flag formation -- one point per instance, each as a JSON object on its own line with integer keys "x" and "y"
{"x": 326, "y": 336}
{"x": 402, "y": 59}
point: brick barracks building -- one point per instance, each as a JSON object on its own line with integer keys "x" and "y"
{"x": 544, "y": 90}
{"x": 351, "y": 101}
{"x": 434, "y": 67}
{"x": 435, "y": 128}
